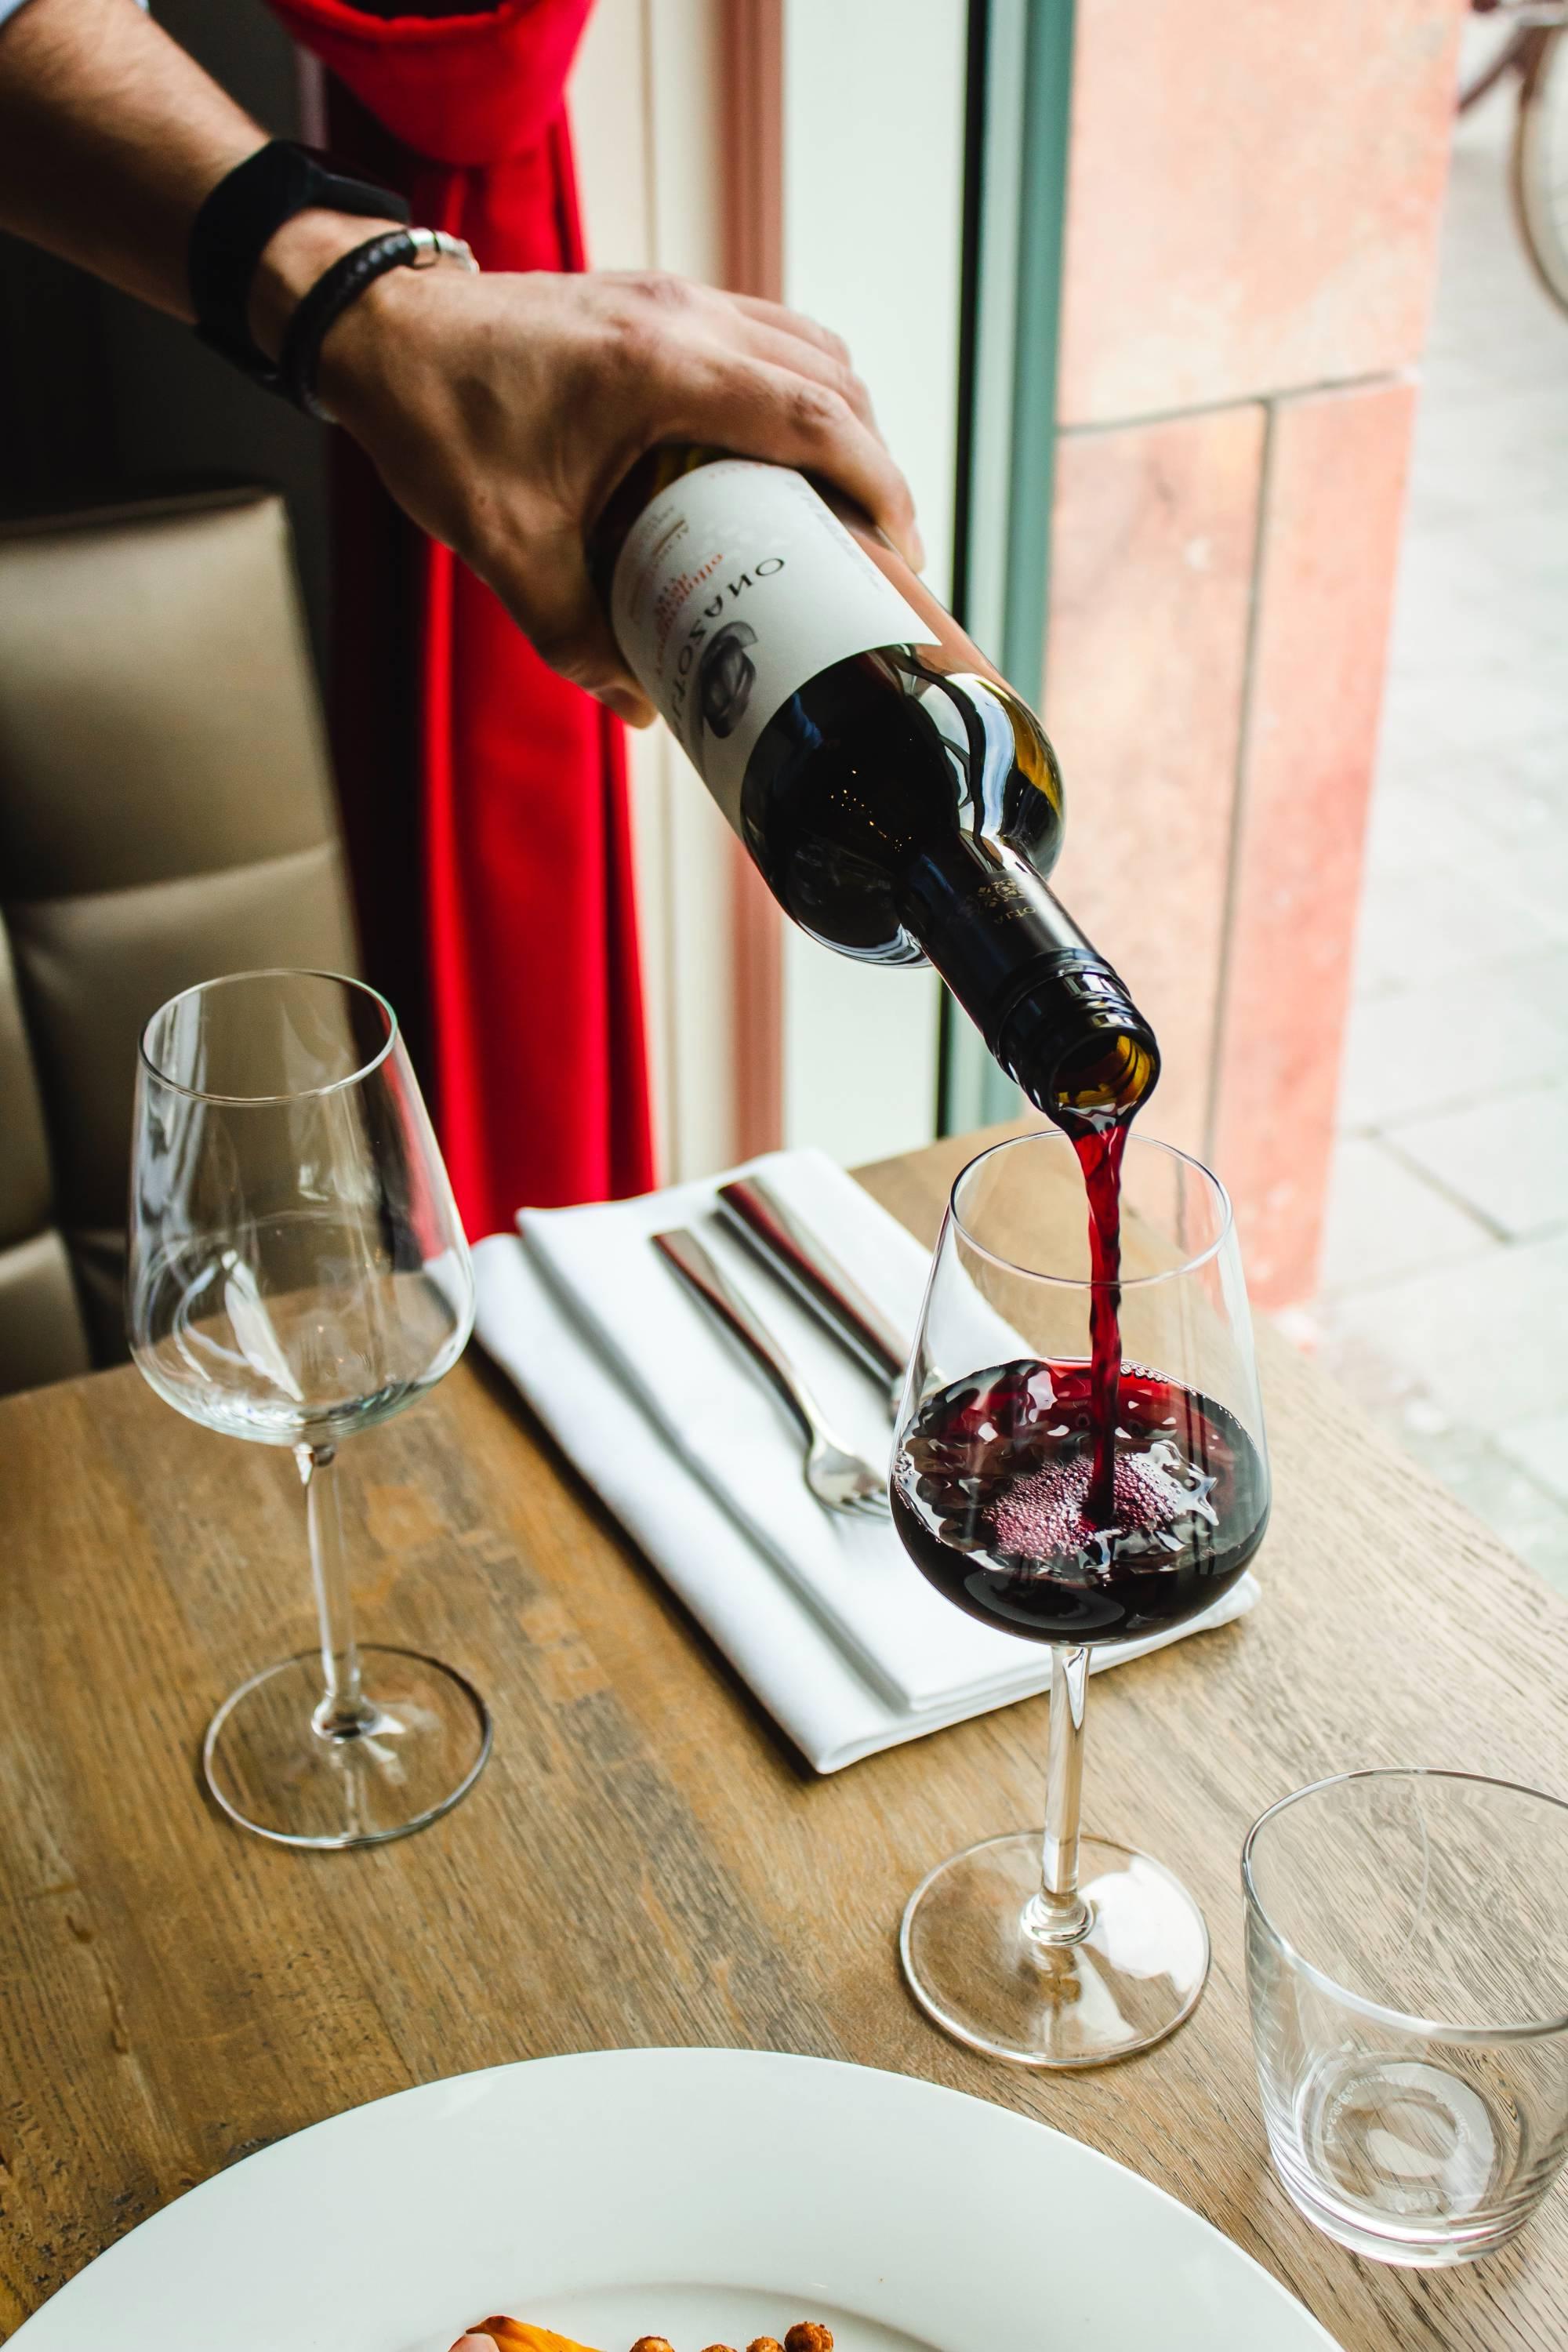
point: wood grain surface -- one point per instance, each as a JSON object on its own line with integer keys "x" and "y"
{"x": 646, "y": 1861}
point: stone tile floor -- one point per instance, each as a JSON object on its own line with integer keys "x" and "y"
{"x": 1444, "y": 1302}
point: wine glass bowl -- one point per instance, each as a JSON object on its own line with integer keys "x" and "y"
{"x": 996, "y": 1434}
{"x": 297, "y": 1273}
{"x": 998, "y": 1497}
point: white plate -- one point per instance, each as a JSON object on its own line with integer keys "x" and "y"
{"x": 709, "y": 2195}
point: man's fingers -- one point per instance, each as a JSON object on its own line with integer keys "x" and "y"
{"x": 636, "y": 710}
{"x": 759, "y": 410}
{"x": 791, "y": 340}
{"x": 793, "y": 322}
{"x": 574, "y": 638}
{"x": 672, "y": 298}
{"x": 549, "y": 594}
{"x": 767, "y": 342}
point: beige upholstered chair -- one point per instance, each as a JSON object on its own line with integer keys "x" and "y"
{"x": 166, "y": 814}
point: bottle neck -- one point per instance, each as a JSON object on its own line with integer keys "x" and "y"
{"x": 1077, "y": 1045}
{"x": 1052, "y": 1011}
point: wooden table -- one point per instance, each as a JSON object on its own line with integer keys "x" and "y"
{"x": 645, "y": 1860}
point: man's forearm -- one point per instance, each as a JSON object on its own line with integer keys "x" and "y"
{"x": 111, "y": 136}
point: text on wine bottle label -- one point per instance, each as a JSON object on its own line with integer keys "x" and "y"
{"x": 736, "y": 586}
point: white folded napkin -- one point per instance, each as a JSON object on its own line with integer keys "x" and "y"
{"x": 825, "y": 1617}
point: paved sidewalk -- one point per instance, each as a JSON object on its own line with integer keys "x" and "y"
{"x": 1445, "y": 1283}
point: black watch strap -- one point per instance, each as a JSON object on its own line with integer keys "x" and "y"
{"x": 237, "y": 220}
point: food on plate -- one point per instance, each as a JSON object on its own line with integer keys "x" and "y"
{"x": 517, "y": 2335}
{"x": 513, "y": 2335}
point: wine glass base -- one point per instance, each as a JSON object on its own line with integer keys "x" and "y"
{"x": 1133, "y": 1976}
{"x": 275, "y": 1774}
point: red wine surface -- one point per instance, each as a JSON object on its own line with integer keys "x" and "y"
{"x": 994, "y": 1498}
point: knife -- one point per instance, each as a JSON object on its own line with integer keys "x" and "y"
{"x": 751, "y": 1208}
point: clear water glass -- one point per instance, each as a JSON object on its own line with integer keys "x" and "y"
{"x": 298, "y": 1272}
{"x": 1407, "y": 1962}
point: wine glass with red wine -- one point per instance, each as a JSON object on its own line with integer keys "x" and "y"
{"x": 1080, "y": 1460}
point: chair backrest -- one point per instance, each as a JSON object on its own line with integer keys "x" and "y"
{"x": 166, "y": 814}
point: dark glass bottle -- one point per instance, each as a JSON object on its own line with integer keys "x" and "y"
{"x": 900, "y": 800}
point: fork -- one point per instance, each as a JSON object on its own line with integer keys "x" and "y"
{"x": 841, "y": 1479}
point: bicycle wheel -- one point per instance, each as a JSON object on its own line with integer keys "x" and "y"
{"x": 1484, "y": 62}
{"x": 1539, "y": 171}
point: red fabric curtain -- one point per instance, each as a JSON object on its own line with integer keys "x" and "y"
{"x": 519, "y": 836}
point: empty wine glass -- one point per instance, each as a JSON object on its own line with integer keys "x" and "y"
{"x": 1064, "y": 1951}
{"x": 298, "y": 1272}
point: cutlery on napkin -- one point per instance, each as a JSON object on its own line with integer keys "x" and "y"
{"x": 752, "y": 1207}
{"x": 841, "y": 1479}
{"x": 825, "y": 1617}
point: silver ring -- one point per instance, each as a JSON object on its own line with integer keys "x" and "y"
{"x": 433, "y": 245}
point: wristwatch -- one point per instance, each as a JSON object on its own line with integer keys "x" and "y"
{"x": 239, "y": 218}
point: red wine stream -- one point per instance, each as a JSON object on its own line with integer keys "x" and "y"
{"x": 1100, "y": 1151}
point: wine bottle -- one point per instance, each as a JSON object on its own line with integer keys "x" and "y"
{"x": 900, "y": 800}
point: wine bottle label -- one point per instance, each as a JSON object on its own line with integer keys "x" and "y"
{"x": 736, "y": 586}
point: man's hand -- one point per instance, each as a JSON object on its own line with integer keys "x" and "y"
{"x": 501, "y": 412}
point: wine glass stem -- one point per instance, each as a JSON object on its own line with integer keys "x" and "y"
{"x": 1058, "y": 1914}
{"x": 344, "y": 1710}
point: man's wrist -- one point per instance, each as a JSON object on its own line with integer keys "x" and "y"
{"x": 300, "y": 252}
